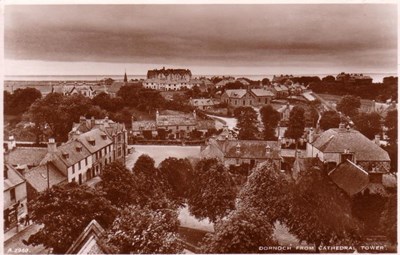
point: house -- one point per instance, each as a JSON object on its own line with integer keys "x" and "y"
{"x": 138, "y": 127}
{"x": 19, "y": 156}
{"x": 90, "y": 241}
{"x": 42, "y": 177}
{"x": 237, "y": 152}
{"x": 353, "y": 162}
{"x": 280, "y": 91}
{"x": 14, "y": 197}
{"x": 114, "y": 130}
{"x": 178, "y": 125}
{"x": 75, "y": 88}
{"x": 224, "y": 81}
{"x": 168, "y": 79}
{"x": 337, "y": 144}
{"x": 100, "y": 146}
{"x": 247, "y": 97}
{"x": 202, "y": 103}
{"x": 284, "y": 112}
{"x": 354, "y": 78}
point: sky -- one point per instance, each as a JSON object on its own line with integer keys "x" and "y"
{"x": 208, "y": 39}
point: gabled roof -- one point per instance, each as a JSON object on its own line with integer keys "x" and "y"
{"x": 89, "y": 241}
{"x": 205, "y": 124}
{"x": 37, "y": 177}
{"x": 262, "y": 92}
{"x": 96, "y": 135}
{"x": 14, "y": 178}
{"x": 72, "y": 152}
{"x": 337, "y": 140}
{"x": 350, "y": 177}
{"x": 176, "y": 120}
{"x": 236, "y": 93}
{"x": 30, "y": 156}
{"x": 144, "y": 125}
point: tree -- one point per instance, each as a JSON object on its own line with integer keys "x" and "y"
{"x": 265, "y": 81}
{"x": 212, "y": 193}
{"x": 247, "y": 123}
{"x": 58, "y": 112}
{"x": 151, "y": 188}
{"x": 267, "y": 191}
{"x": 349, "y": 105}
{"x": 141, "y": 230}
{"x": 391, "y": 124}
{"x": 369, "y": 124}
{"x": 21, "y": 100}
{"x": 296, "y": 123}
{"x": 320, "y": 213}
{"x": 65, "y": 212}
{"x": 243, "y": 231}
{"x": 118, "y": 184}
{"x": 329, "y": 119}
{"x": 328, "y": 78}
{"x": 178, "y": 173}
{"x": 388, "y": 221}
{"x": 270, "y": 118}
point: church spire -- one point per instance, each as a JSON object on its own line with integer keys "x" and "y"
{"x": 125, "y": 77}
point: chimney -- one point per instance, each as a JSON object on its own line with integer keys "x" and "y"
{"x": 194, "y": 114}
{"x": 82, "y": 120}
{"x": 157, "y": 114}
{"x": 11, "y": 143}
{"x": 341, "y": 127}
{"x": 267, "y": 150}
{"x": 311, "y": 135}
{"x": 298, "y": 154}
{"x": 92, "y": 122}
{"x": 106, "y": 119}
{"x": 51, "y": 145}
{"x": 238, "y": 149}
{"x": 378, "y": 140}
{"x": 279, "y": 144}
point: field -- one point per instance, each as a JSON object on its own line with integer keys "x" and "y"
{"x": 161, "y": 152}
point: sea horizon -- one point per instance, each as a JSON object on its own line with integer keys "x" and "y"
{"x": 377, "y": 77}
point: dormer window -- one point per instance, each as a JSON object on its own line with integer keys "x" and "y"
{"x": 78, "y": 148}
{"x": 65, "y": 155}
{"x": 91, "y": 141}
{"x": 104, "y": 136}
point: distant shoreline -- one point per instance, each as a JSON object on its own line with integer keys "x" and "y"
{"x": 377, "y": 77}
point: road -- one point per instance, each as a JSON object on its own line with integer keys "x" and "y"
{"x": 14, "y": 245}
{"x": 221, "y": 121}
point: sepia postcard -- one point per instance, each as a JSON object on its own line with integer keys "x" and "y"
{"x": 226, "y": 128}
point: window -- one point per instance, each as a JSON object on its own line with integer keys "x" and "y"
{"x": 73, "y": 179}
{"x": 79, "y": 165}
{"x": 12, "y": 194}
{"x": 73, "y": 169}
{"x": 5, "y": 173}
{"x": 244, "y": 102}
{"x": 86, "y": 162}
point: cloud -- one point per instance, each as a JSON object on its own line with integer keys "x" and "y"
{"x": 228, "y": 35}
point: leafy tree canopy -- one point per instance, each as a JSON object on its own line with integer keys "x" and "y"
{"x": 243, "y": 231}
{"x": 212, "y": 193}
{"x": 296, "y": 123}
{"x": 65, "y": 212}
{"x": 329, "y": 119}
{"x": 369, "y": 124}
{"x": 270, "y": 118}
{"x": 349, "y": 105}
{"x": 141, "y": 231}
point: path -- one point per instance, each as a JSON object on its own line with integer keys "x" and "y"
{"x": 221, "y": 121}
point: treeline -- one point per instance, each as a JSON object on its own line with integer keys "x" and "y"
{"x": 139, "y": 208}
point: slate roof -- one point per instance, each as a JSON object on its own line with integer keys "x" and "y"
{"x": 30, "y": 156}
{"x": 37, "y": 177}
{"x": 176, "y": 120}
{"x": 202, "y": 102}
{"x": 14, "y": 177}
{"x": 166, "y": 72}
{"x": 96, "y": 135}
{"x": 262, "y": 93}
{"x": 144, "y": 125}
{"x": 109, "y": 126}
{"x": 205, "y": 124}
{"x": 337, "y": 140}
{"x": 350, "y": 177}
{"x": 74, "y": 156}
{"x": 236, "y": 93}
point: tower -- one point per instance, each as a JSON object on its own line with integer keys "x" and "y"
{"x": 125, "y": 77}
